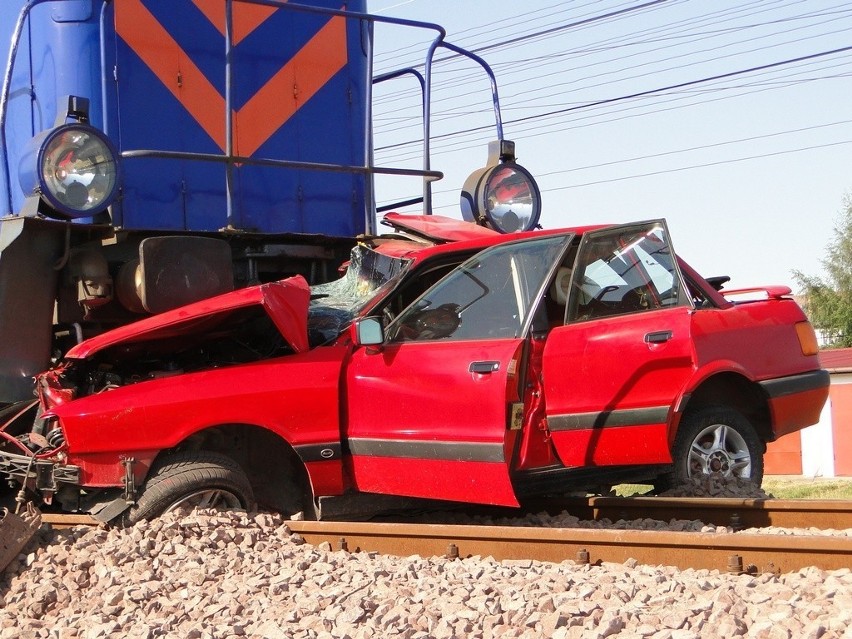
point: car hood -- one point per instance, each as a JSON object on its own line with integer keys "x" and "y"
{"x": 286, "y": 301}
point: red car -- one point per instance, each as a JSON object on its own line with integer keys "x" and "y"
{"x": 449, "y": 362}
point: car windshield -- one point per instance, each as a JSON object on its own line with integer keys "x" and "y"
{"x": 333, "y": 305}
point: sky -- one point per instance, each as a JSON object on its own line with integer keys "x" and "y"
{"x": 730, "y": 119}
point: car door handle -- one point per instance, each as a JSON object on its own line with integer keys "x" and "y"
{"x": 658, "y": 337}
{"x": 484, "y": 367}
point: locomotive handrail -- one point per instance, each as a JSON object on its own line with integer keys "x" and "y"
{"x": 426, "y": 94}
{"x": 4, "y": 97}
{"x": 426, "y": 198}
{"x": 289, "y": 164}
{"x": 425, "y": 80}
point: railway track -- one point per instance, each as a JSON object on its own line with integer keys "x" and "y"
{"x": 736, "y": 553}
{"x": 738, "y": 513}
{"x": 742, "y": 552}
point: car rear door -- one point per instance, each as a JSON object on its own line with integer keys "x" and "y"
{"x": 614, "y": 370}
{"x": 435, "y": 410}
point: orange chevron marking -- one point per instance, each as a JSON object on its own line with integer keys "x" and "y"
{"x": 265, "y": 112}
{"x": 245, "y": 17}
{"x": 151, "y": 42}
{"x": 297, "y": 81}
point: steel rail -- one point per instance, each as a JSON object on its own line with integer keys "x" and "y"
{"x": 734, "y": 512}
{"x": 721, "y": 511}
{"x": 735, "y": 552}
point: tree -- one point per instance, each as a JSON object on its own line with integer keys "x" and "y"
{"x": 828, "y": 302}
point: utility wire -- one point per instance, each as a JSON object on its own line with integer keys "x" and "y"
{"x": 677, "y": 29}
{"x": 463, "y": 141}
{"x": 639, "y": 94}
{"x": 674, "y": 170}
{"x": 701, "y": 166}
{"x": 550, "y": 30}
{"x": 640, "y": 103}
{"x": 653, "y": 156}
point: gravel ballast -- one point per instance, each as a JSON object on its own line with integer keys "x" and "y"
{"x": 223, "y": 574}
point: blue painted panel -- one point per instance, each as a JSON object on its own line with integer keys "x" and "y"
{"x": 329, "y": 128}
{"x": 18, "y": 115}
{"x": 59, "y": 55}
{"x": 156, "y": 191}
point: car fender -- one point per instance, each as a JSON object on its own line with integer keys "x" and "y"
{"x": 295, "y": 397}
{"x": 701, "y": 375}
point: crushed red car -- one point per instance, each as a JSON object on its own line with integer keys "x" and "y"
{"x": 449, "y": 362}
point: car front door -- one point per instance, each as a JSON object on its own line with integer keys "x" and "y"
{"x": 614, "y": 369}
{"x": 435, "y": 410}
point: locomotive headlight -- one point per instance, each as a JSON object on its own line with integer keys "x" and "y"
{"x": 504, "y": 196}
{"x": 511, "y": 199}
{"x": 73, "y": 168}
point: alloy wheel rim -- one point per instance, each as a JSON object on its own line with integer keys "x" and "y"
{"x": 208, "y": 498}
{"x": 719, "y": 449}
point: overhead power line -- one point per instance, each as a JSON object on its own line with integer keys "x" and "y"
{"x": 680, "y": 31}
{"x": 639, "y": 94}
{"x": 682, "y": 85}
{"x": 563, "y": 27}
{"x": 653, "y": 156}
{"x": 759, "y": 156}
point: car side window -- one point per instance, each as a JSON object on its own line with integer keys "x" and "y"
{"x": 624, "y": 271}
{"x": 490, "y": 296}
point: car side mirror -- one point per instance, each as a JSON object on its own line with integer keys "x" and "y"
{"x": 368, "y": 331}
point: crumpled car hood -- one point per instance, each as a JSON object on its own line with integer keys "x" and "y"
{"x": 437, "y": 228}
{"x": 286, "y": 301}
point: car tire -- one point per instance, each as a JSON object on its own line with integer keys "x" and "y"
{"x": 715, "y": 439}
{"x": 195, "y": 479}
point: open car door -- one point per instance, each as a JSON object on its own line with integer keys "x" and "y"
{"x": 614, "y": 370}
{"x": 434, "y": 411}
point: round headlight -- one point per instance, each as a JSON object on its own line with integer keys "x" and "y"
{"x": 511, "y": 197}
{"x": 76, "y": 171}
{"x": 504, "y": 197}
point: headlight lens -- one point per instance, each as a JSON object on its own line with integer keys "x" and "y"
{"x": 76, "y": 170}
{"x": 511, "y": 198}
{"x": 503, "y": 196}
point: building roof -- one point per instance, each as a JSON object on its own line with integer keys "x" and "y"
{"x": 836, "y": 360}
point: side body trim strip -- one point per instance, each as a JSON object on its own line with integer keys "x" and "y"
{"x": 608, "y": 419}
{"x": 413, "y": 449}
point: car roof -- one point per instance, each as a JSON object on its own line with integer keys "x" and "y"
{"x": 424, "y": 236}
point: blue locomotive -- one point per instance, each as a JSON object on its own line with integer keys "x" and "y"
{"x": 155, "y": 152}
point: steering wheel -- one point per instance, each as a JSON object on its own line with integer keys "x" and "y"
{"x": 432, "y": 323}
{"x": 596, "y": 307}
{"x": 598, "y": 299}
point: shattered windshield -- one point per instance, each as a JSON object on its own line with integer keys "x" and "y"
{"x": 333, "y": 305}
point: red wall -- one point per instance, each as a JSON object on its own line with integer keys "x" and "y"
{"x": 841, "y": 427}
{"x": 784, "y": 456}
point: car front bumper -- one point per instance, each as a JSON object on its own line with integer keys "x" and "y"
{"x": 39, "y": 474}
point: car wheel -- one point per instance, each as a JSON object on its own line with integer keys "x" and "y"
{"x": 194, "y": 479}
{"x": 715, "y": 440}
